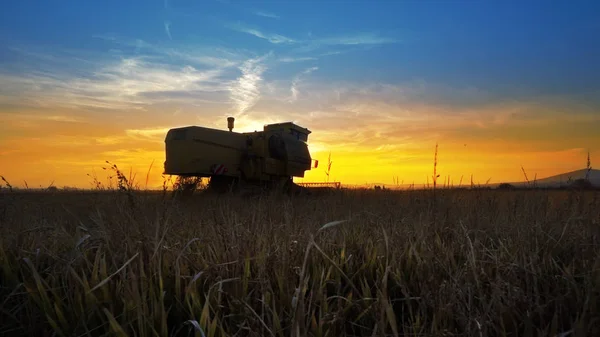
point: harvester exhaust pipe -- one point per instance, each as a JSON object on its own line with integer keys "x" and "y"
{"x": 230, "y": 121}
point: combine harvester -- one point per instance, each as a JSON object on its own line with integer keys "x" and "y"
{"x": 233, "y": 160}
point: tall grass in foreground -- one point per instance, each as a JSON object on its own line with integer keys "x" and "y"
{"x": 474, "y": 263}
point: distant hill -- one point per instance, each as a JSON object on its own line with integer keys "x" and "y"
{"x": 565, "y": 179}
{"x": 559, "y": 180}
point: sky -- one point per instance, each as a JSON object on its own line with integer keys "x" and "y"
{"x": 499, "y": 86}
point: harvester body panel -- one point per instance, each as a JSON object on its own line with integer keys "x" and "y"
{"x": 203, "y": 152}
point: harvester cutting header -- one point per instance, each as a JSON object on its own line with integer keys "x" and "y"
{"x": 271, "y": 157}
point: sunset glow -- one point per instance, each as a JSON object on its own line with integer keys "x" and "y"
{"x": 498, "y": 87}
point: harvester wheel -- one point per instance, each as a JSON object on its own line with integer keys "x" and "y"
{"x": 280, "y": 185}
{"x": 222, "y": 184}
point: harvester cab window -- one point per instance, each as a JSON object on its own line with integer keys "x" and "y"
{"x": 298, "y": 135}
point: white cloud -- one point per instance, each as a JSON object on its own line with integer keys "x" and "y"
{"x": 201, "y": 58}
{"x": 148, "y": 133}
{"x": 358, "y": 39}
{"x": 134, "y": 43}
{"x": 294, "y": 88}
{"x": 168, "y": 29}
{"x": 65, "y": 119}
{"x": 369, "y": 115}
{"x": 267, "y": 15}
{"x": 330, "y": 53}
{"x": 296, "y": 59}
{"x": 128, "y": 83}
{"x": 245, "y": 91}
{"x": 36, "y": 117}
{"x": 273, "y": 38}
{"x": 109, "y": 140}
{"x": 204, "y": 55}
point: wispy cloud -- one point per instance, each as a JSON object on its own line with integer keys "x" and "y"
{"x": 358, "y": 39}
{"x": 296, "y": 59}
{"x": 151, "y": 133}
{"x": 330, "y": 53}
{"x": 129, "y": 82}
{"x": 115, "y": 86}
{"x": 200, "y": 58}
{"x": 272, "y": 38}
{"x": 64, "y": 119}
{"x": 295, "y": 82}
{"x": 123, "y": 41}
{"x": 386, "y": 118}
{"x": 168, "y": 29}
{"x": 204, "y": 55}
{"x": 245, "y": 91}
{"x": 267, "y": 14}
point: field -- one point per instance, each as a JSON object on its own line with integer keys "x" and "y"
{"x": 404, "y": 263}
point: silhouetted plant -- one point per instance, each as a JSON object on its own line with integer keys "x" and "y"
{"x": 329, "y": 162}
{"x": 435, "y": 175}
{"x": 588, "y": 167}
{"x": 8, "y": 185}
{"x": 525, "y": 174}
{"x": 187, "y": 185}
{"x": 124, "y": 184}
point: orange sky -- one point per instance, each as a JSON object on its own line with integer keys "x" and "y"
{"x": 370, "y": 142}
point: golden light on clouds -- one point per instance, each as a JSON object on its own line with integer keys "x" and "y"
{"x": 367, "y": 145}
{"x": 58, "y": 126}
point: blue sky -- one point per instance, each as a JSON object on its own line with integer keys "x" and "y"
{"x": 508, "y": 48}
{"x": 454, "y": 71}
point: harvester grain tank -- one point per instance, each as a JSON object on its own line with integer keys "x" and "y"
{"x": 272, "y": 156}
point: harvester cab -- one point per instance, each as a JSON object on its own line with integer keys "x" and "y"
{"x": 276, "y": 154}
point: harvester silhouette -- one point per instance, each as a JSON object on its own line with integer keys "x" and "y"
{"x": 269, "y": 158}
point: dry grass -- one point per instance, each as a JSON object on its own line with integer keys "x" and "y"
{"x": 472, "y": 263}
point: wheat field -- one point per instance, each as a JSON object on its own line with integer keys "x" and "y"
{"x": 468, "y": 262}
